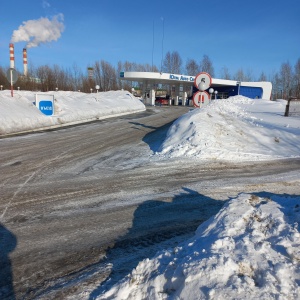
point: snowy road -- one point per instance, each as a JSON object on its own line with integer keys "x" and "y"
{"x": 72, "y": 196}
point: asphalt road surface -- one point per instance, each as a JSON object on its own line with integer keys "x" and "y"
{"x": 81, "y": 206}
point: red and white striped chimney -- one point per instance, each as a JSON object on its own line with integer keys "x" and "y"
{"x": 12, "y": 55}
{"x": 25, "y": 61}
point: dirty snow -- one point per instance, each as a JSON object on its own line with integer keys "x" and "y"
{"x": 251, "y": 248}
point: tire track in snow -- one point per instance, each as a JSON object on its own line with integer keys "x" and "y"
{"x": 40, "y": 167}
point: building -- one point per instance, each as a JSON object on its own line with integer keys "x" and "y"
{"x": 182, "y": 83}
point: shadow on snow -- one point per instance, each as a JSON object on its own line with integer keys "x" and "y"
{"x": 156, "y": 137}
{"x": 8, "y": 243}
{"x": 156, "y": 225}
{"x": 183, "y": 214}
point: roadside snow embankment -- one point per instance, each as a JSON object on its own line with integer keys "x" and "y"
{"x": 237, "y": 129}
{"x": 249, "y": 250}
{"x": 19, "y": 114}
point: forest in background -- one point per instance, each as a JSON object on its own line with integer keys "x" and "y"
{"x": 286, "y": 82}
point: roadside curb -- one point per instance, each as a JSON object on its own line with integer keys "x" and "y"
{"x": 57, "y": 126}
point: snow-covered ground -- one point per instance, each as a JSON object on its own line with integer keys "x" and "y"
{"x": 19, "y": 113}
{"x": 235, "y": 129}
{"x": 251, "y": 248}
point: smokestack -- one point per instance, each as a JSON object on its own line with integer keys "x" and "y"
{"x": 12, "y": 55}
{"x": 25, "y": 61}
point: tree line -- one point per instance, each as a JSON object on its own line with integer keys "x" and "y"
{"x": 286, "y": 82}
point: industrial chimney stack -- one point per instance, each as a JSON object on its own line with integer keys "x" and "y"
{"x": 25, "y": 61}
{"x": 12, "y": 55}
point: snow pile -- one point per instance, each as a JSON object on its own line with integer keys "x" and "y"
{"x": 19, "y": 113}
{"x": 237, "y": 129}
{"x": 249, "y": 250}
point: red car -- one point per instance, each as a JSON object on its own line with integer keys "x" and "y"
{"x": 161, "y": 101}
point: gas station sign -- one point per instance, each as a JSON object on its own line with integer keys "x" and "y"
{"x": 45, "y": 103}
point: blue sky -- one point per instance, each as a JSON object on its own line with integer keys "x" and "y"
{"x": 253, "y": 35}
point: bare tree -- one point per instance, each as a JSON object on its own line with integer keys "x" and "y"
{"x": 146, "y": 68}
{"x": 172, "y": 63}
{"x": 105, "y": 75}
{"x": 191, "y": 67}
{"x": 30, "y": 82}
{"x": 120, "y": 82}
{"x": 286, "y": 75}
{"x": 62, "y": 78}
{"x": 297, "y": 79}
{"x": 177, "y": 62}
{"x": 76, "y": 77}
{"x": 167, "y": 63}
{"x": 286, "y": 82}
{"x": 207, "y": 66}
{"x": 98, "y": 75}
{"x": 3, "y": 80}
{"x": 277, "y": 90}
{"x": 153, "y": 68}
{"x": 128, "y": 66}
{"x": 46, "y": 77}
{"x": 109, "y": 76}
{"x": 262, "y": 77}
{"x": 123, "y": 67}
{"x": 87, "y": 84}
{"x": 249, "y": 75}
{"x": 239, "y": 75}
{"x": 225, "y": 73}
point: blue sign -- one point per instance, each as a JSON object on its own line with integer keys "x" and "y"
{"x": 182, "y": 77}
{"x": 46, "y": 107}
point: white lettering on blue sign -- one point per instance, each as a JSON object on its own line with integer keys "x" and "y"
{"x": 174, "y": 77}
{"x": 46, "y": 107}
{"x": 182, "y": 78}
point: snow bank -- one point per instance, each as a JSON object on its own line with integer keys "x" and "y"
{"x": 249, "y": 250}
{"x": 237, "y": 129}
{"x": 19, "y": 113}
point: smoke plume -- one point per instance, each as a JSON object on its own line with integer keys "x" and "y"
{"x": 36, "y": 32}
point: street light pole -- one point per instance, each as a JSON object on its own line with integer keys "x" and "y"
{"x": 211, "y": 90}
{"x": 238, "y": 84}
{"x": 216, "y": 92}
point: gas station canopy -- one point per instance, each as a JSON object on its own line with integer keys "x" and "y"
{"x": 258, "y": 90}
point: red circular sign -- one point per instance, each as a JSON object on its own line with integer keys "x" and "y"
{"x": 200, "y": 99}
{"x": 202, "y": 81}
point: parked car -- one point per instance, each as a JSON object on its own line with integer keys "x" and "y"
{"x": 161, "y": 101}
